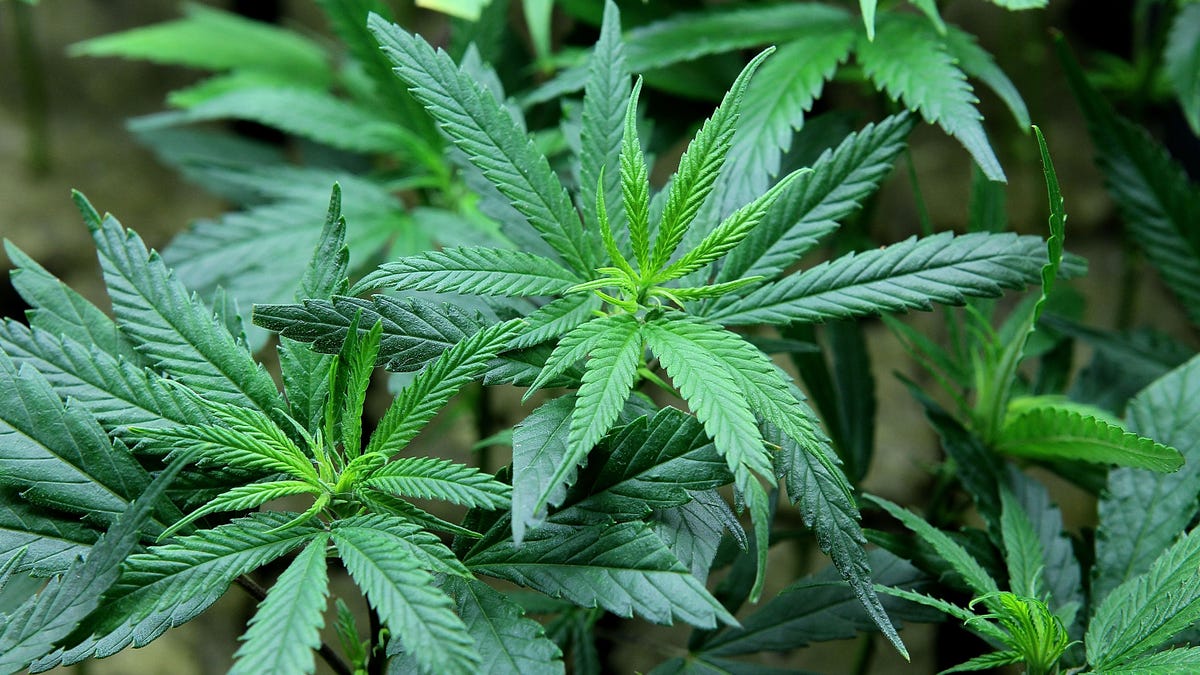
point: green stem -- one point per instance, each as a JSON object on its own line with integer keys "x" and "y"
{"x": 33, "y": 89}
{"x": 918, "y": 197}
{"x": 484, "y": 426}
{"x": 652, "y": 377}
{"x": 862, "y": 656}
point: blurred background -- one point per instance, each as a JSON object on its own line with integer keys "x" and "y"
{"x": 63, "y": 127}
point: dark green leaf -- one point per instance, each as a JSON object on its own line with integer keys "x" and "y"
{"x": 909, "y": 275}
{"x": 828, "y": 510}
{"x": 624, "y": 568}
{"x": 508, "y": 642}
{"x": 539, "y": 446}
{"x": 1147, "y": 610}
{"x": 172, "y": 584}
{"x": 57, "y": 454}
{"x": 173, "y": 330}
{"x": 652, "y": 463}
{"x": 45, "y": 621}
{"x": 414, "y": 331}
{"x": 1156, "y": 200}
{"x": 814, "y": 609}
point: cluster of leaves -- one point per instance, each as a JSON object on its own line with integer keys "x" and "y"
{"x": 127, "y": 443}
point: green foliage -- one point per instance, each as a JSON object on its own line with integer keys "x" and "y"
{"x": 142, "y": 456}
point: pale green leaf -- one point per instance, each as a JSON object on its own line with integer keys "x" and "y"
{"x": 731, "y": 232}
{"x": 216, "y": 40}
{"x": 930, "y": 9}
{"x": 1055, "y": 433}
{"x": 1023, "y": 554}
{"x": 910, "y": 61}
{"x": 623, "y": 567}
{"x": 981, "y": 584}
{"x": 309, "y": 114}
{"x": 399, "y": 534}
{"x": 713, "y": 392}
{"x": 253, "y": 443}
{"x": 287, "y": 626}
{"x": 1147, "y": 610}
{"x": 507, "y": 641}
{"x": 1141, "y": 513}
{"x": 867, "y": 7}
{"x": 433, "y": 478}
{"x": 1020, "y": 4}
{"x": 988, "y": 662}
{"x": 607, "y": 382}
{"x": 463, "y": 9}
{"x": 603, "y": 125}
{"x": 436, "y": 384}
{"x": 245, "y": 498}
{"x": 260, "y": 255}
{"x": 575, "y": 346}
{"x": 699, "y": 167}
{"x": 1179, "y": 661}
{"x": 841, "y": 179}
{"x": 486, "y": 132}
{"x": 779, "y": 96}
{"x": 419, "y": 615}
{"x": 348, "y": 20}
{"x": 556, "y": 318}
{"x": 172, "y": 584}
{"x": 687, "y": 36}
{"x": 635, "y": 184}
{"x": 473, "y": 271}
{"x": 909, "y": 275}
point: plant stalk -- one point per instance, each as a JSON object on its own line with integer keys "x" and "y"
{"x": 335, "y": 661}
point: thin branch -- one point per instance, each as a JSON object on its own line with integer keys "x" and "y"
{"x": 335, "y": 661}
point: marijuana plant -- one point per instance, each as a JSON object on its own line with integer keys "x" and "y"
{"x": 590, "y": 290}
{"x": 137, "y": 452}
{"x": 222, "y": 413}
